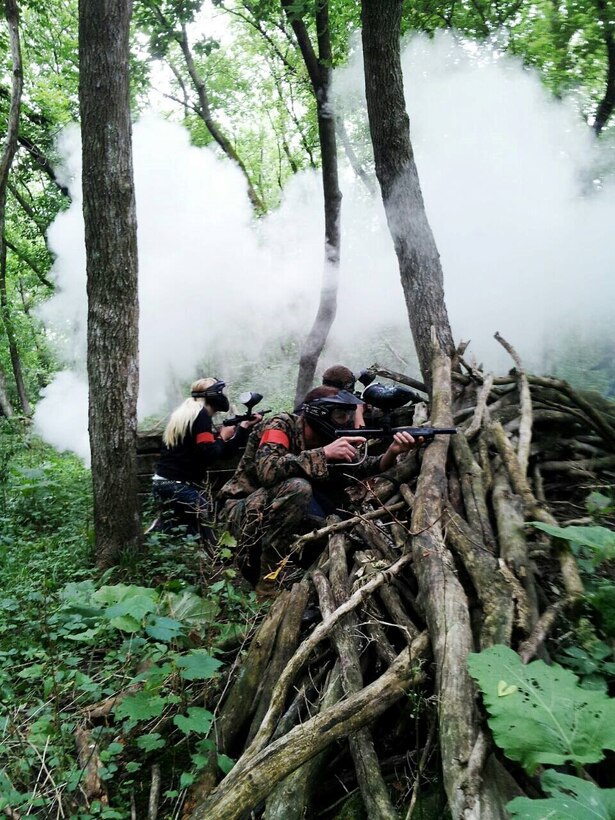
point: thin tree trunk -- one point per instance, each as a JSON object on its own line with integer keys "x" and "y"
{"x": 6, "y": 407}
{"x": 111, "y": 245}
{"x": 419, "y": 261}
{"x": 319, "y": 70}
{"x": 6, "y": 160}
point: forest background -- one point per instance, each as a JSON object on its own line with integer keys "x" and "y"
{"x": 511, "y": 108}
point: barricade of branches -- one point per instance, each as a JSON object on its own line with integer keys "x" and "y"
{"x": 356, "y": 683}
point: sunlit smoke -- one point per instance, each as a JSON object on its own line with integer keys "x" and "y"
{"x": 525, "y": 241}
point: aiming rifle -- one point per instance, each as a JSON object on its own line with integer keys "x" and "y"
{"x": 250, "y": 400}
{"x": 387, "y": 399}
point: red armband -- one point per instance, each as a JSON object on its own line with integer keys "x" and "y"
{"x": 275, "y": 437}
{"x": 205, "y": 438}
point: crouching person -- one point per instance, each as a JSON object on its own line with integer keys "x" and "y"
{"x": 293, "y": 469}
{"x": 191, "y": 446}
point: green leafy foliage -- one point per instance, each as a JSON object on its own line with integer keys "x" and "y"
{"x": 539, "y": 713}
{"x": 599, "y": 504}
{"x": 602, "y": 598}
{"x": 571, "y": 799}
{"x": 140, "y": 639}
{"x": 198, "y": 665}
{"x": 599, "y": 540}
{"x": 199, "y": 720}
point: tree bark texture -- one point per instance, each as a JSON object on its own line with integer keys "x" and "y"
{"x": 111, "y": 245}
{"x": 417, "y": 254}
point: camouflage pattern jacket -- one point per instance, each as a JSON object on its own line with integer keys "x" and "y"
{"x": 276, "y": 451}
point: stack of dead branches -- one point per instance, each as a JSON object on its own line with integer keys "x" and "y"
{"x": 325, "y": 702}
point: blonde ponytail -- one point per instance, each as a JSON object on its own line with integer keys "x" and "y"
{"x": 182, "y": 418}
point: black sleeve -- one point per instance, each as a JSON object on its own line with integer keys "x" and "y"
{"x": 210, "y": 447}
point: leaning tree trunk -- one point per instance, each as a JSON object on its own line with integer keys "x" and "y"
{"x": 319, "y": 70}
{"x": 419, "y": 261}
{"x": 111, "y": 244}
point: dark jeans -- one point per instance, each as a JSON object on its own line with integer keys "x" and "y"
{"x": 184, "y": 505}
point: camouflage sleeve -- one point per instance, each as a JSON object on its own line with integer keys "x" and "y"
{"x": 278, "y": 456}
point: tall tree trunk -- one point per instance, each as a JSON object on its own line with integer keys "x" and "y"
{"x": 607, "y": 104}
{"x": 8, "y": 153}
{"x": 111, "y": 245}
{"x": 5, "y": 403}
{"x": 319, "y": 70}
{"x": 419, "y": 261}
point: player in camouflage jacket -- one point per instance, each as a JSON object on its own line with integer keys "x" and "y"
{"x": 293, "y": 466}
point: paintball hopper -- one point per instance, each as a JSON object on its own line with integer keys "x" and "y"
{"x": 387, "y": 397}
{"x": 250, "y": 399}
{"x": 365, "y": 377}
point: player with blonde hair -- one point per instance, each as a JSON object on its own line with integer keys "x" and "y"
{"x": 191, "y": 446}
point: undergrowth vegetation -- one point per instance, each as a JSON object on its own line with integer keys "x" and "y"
{"x": 109, "y": 681}
{"x": 103, "y": 676}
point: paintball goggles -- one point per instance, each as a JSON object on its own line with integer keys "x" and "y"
{"x": 250, "y": 400}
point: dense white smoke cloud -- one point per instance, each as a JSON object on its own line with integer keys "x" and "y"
{"x": 525, "y": 244}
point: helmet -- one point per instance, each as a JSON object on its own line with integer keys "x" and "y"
{"x": 214, "y": 396}
{"x": 326, "y": 414}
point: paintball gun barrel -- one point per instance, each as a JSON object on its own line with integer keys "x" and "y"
{"x": 250, "y": 400}
{"x": 426, "y": 433}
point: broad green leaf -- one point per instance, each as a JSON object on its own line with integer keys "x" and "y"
{"x": 186, "y": 779}
{"x": 225, "y": 763}
{"x": 126, "y": 623}
{"x": 189, "y": 608}
{"x": 137, "y": 605}
{"x": 163, "y": 629}
{"x": 140, "y": 706}
{"x": 115, "y": 593}
{"x": 227, "y": 540}
{"x": 199, "y": 720}
{"x": 600, "y": 540}
{"x": 197, "y": 665}
{"x": 151, "y": 742}
{"x": 549, "y": 718}
{"x": 571, "y": 799}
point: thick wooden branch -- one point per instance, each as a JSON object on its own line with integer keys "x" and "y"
{"x": 371, "y": 783}
{"x": 309, "y": 644}
{"x": 246, "y": 785}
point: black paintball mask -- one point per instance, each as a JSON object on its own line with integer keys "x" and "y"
{"x": 328, "y": 414}
{"x": 214, "y": 396}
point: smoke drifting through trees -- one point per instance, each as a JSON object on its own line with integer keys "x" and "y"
{"x": 525, "y": 239}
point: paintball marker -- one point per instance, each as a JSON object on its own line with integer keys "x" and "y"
{"x": 387, "y": 399}
{"x": 250, "y": 400}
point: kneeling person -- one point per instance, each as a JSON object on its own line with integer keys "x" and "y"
{"x": 294, "y": 467}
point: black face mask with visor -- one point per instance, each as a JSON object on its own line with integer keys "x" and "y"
{"x": 214, "y": 396}
{"x": 331, "y": 413}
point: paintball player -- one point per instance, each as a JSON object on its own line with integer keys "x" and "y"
{"x": 191, "y": 445}
{"x": 293, "y": 468}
